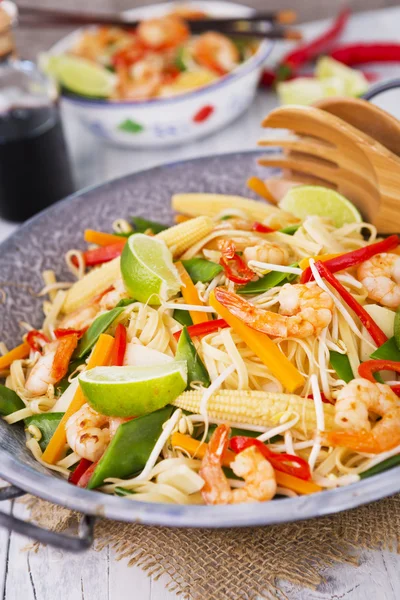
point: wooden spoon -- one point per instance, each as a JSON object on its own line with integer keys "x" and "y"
{"x": 368, "y": 118}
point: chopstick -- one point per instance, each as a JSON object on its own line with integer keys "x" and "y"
{"x": 283, "y": 17}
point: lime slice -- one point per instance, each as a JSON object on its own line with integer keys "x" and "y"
{"x": 79, "y": 75}
{"x": 306, "y": 90}
{"x": 148, "y": 271}
{"x": 133, "y": 391}
{"x": 306, "y": 200}
{"x": 355, "y": 83}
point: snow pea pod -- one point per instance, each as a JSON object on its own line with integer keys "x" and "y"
{"x": 9, "y": 401}
{"x": 268, "y": 281}
{"x": 397, "y": 329}
{"x": 47, "y": 423}
{"x": 388, "y": 351}
{"x": 183, "y": 317}
{"x": 141, "y": 225}
{"x": 341, "y": 364}
{"x": 201, "y": 269}
{"x": 196, "y": 370}
{"x": 389, "y": 463}
{"x": 99, "y": 326}
{"x": 131, "y": 447}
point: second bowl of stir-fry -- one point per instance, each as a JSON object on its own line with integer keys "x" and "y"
{"x": 158, "y": 84}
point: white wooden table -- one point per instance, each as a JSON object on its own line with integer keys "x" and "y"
{"x": 51, "y": 574}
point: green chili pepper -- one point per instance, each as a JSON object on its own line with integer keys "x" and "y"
{"x": 99, "y": 326}
{"x": 397, "y": 328}
{"x": 342, "y": 366}
{"x": 290, "y": 230}
{"x": 393, "y": 461}
{"x": 47, "y": 423}
{"x": 186, "y": 351}
{"x": 9, "y": 401}
{"x": 141, "y": 225}
{"x": 183, "y": 317}
{"x": 268, "y": 281}
{"x": 130, "y": 447}
{"x": 388, "y": 351}
{"x": 125, "y": 302}
{"x": 200, "y": 269}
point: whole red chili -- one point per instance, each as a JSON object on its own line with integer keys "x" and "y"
{"x": 307, "y": 52}
{"x": 33, "y": 338}
{"x": 203, "y": 114}
{"x": 287, "y": 463}
{"x": 357, "y": 54}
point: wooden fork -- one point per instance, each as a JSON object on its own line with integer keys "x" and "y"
{"x": 359, "y": 167}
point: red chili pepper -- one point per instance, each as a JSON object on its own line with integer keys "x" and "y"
{"x": 32, "y": 338}
{"x": 119, "y": 347}
{"x": 355, "y": 257}
{"x": 203, "y": 114}
{"x": 369, "y": 367}
{"x": 103, "y": 254}
{"x": 203, "y": 328}
{"x": 357, "y": 54}
{"x": 87, "y": 475}
{"x": 287, "y": 463}
{"x": 261, "y": 228}
{"x": 59, "y": 333}
{"x": 307, "y": 52}
{"x": 373, "y": 329}
{"x": 235, "y": 268}
{"x": 82, "y": 467}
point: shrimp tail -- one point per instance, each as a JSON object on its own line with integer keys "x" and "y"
{"x": 359, "y": 441}
{"x": 256, "y": 318}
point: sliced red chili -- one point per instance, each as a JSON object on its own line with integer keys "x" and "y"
{"x": 203, "y": 328}
{"x": 82, "y": 467}
{"x": 119, "y": 347}
{"x": 355, "y": 257}
{"x": 235, "y": 268}
{"x": 33, "y": 338}
{"x": 60, "y": 332}
{"x": 369, "y": 367}
{"x": 373, "y": 329}
{"x": 287, "y": 463}
{"x": 261, "y": 228}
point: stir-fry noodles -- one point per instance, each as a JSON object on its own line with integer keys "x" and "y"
{"x": 238, "y": 356}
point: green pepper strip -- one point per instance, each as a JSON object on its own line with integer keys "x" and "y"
{"x": 186, "y": 351}
{"x": 341, "y": 364}
{"x": 389, "y": 463}
{"x": 10, "y": 402}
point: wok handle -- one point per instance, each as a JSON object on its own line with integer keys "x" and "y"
{"x": 79, "y": 543}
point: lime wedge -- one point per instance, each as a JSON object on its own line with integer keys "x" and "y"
{"x": 305, "y": 90}
{"x": 148, "y": 271}
{"x": 355, "y": 83}
{"x": 79, "y": 75}
{"x": 133, "y": 391}
{"x": 306, "y": 200}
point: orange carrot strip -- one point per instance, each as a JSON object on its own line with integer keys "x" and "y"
{"x": 190, "y": 295}
{"x": 100, "y": 357}
{"x": 21, "y": 351}
{"x": 102, "y": 239}
{"x": 296, "y": 484}
{"x": 256, "y": 185}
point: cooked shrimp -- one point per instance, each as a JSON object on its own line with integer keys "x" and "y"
{"x": 88, "y": 433}
{"x": 111, "y": 298}
{"x": 257, "y": 472}
{"x": 167, "y": 32}
{"x": 355, "y": 404}
{"x": 145, "y": 82}
{"x": 267, "y": 252}
{"x": 235, "y": 223}
{"x": 304, "y": 310}
{"x": 380, "y": 275}
{"x": 216, "y": 52}
{"x": 52, "y": 365}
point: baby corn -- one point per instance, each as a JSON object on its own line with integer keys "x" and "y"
{"x": 212, "y": 204}
{"x": 257, "y": 408}
{"x": 182, "y": 236}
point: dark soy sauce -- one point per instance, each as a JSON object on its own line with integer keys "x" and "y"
{"x": 34, "y": 165}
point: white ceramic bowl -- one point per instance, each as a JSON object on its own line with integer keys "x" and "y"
{"x": 169, "y": 121}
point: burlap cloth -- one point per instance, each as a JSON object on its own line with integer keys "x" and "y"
{"x": 241, "y": 564}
